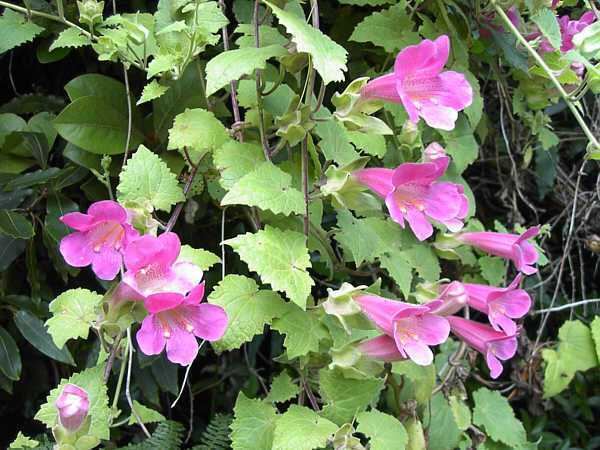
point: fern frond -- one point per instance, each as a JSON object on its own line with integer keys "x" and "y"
{"x": 167, "y": 436}
{"x": 216, "y": 435}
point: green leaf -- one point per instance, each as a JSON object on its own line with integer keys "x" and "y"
{"x": 269, "y": 188}
{"x": 444, "y": 434}
{"x": 346, "y": 397}
{"x": 152, "y": 91}
{"x": 367, "y": 2}
{"x": 236, "y": 159}
{"x": 15, "y": 225}
{"x": 329, "y": 58}
{"x": 35, "y": 332}
{"x": 494, "y": 414}
{"x": 147, "y": 415}
{"x": 96, "y": 125}
{"x": 248, "y": 309}
{"x": 95, "y": 84}
{"x": 493, "y": 269}
{"x": 420, "y": 380}
{"x": 233, "y": 64}
{"x": 460, "y": 144}
{"x": 303, "y": 330}
{"x": 10, "y": 357}
{"x": 548, "y": 26}
{"x": 70, "y": 38}
{"x": 146, "y": 177}
{"x": 384, "y": 431}
{"x": 301, "y": 428}
{"x": 399, "y": 269}
{"x": 576, "y": 351}
{"x": 91, "y": 380}
{"x": 595, "y": 327}
{"x": 282, "y": 389}
{"x": 23, "y": 441}
{"x": 33, "y": 179}
{"x": 197, "y": 130}
{"x": 390, "y": 29}
{"x": 199, "y": 257}
{"x": 280, "y": 258}
{"x": 370, "y": 143}
{"x": 254, "y": 424}
{"x": 73, "y": 312}
{"x": 461, "y": 412}
{"x": 416, "y": 437}
{"x": 16, "y": 29}
{"x": 10, "y": 249}
{"x": 335, "y": 143}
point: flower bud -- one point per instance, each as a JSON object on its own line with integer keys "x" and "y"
{"x": 73, "y": 406}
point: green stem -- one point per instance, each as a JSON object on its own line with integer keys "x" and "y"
{"x": 46, "y": 16}
{"x": 120, "y": 379}
{"x": 592, "y": 139}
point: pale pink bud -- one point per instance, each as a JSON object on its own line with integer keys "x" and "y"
{"x": 73, "y": 406}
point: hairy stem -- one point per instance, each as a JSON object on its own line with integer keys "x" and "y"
{"x": 46, "y": 16}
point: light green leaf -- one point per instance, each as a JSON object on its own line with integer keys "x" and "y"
{"x": 73, "y": 312}
{"x": 303, "y": 330}
{"x": 548, "y": 25}
{"x": 199, "y": 131}
{"x": 236, "y": 159}
{"x": 96, "y": 125}
{"x": 152, "y": 91}
{"x": 91, "y": 380}
{"x": 367, "y": 2}
{"x": 390, "y": 29}
{"x": 282, "y": 389}
{"x": 147, "y": 415}
{"x": 280, "y": 258}
{"x": 444, "y": 434}
{"x": 70, "y": 38}
{"x": 416, "y": 437}
{"x": 198, "y": 256}
{"x": 595, "y": 327}
{"x": 399, "y": 269}
{"x": 23, "y": 441}
{"x": 247, "y": 308}
{"x": 460, "y": 144}
{"x": 335, "y": 144}
{"x": 146, "y": 177}
{"x": 493, "y": 269}
{"x": 384, "y": 431}
{"x": 461, "y": 412}
{"x": 15, "y": 225}
{"x": 418, "y": 379}
{"x": 301, "y": 428}
{"x": 494, "y": 414}
{"x": 254, "y": 424}
{"x": 329, "y": 58}
{"x": 35, "y": 332}
{"x": 269, "y": 188}
{"x": 233, "y": 64}
{"x": 346, "y": 397}
{"x": 15, "y": 30}
{"x": 370, "y": 143}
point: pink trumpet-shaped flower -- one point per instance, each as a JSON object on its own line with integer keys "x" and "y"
{"x": 412, "y": 192}
{"x": 500, "y": 304}
{"x": 421, "y": 85}
{"x": 382, "y": 348}
{"x": 152, "y": 266}
{"x": 174, "y": 321}
{"x": 494, "y": 345}
{"x": 412, "y": 327}
{"x": 515, "y": 247}
{"x": 452, "y": 298}
{"x": 73, "y": 406}
{"x": 568, "y": 29}
{"x": 101, "y": 237}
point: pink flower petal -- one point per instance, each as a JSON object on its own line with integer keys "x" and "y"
{"x": 76, "y": 250}
{"x": 423, "y": 60}
{"x": 433, "y": 330}
{"x": 107, "y": 210}
{"x": 106, "y": 264}
{"x": 209, "y": 321}
{"x": 150, "y": 337}
{"x": 422, "y": 174}
{"x": 456, "y": 93}
{"x": 395, "y": 208}
{"x": 419, "y": 224}
{"x": 419, "y": 352}
{"x": 380, "y": 311}
{"x": 183, "y": 277}
{"x": 142, "y": 252}
{"x": 78, "y": 221}
{"x": 494, "y": 365}
{"x": 182, "y": 347}
{"x": 381, "y": 348}
{"x": 171, "y": 246}
{"x": 165, "y": 301}
{"x": 379, "y": 180}
{"x": 502, "y": 323}
{"x": 196, "y": 295}
{"x": 438, "y": 116}
{"x": 382, "y": 88}
{"x": 444, "y": 201}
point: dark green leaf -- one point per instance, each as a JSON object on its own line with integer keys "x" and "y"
{"x": 15, "y": 225}
{"x": 35, "y": 332}
{"x": 10, "y": 358}
{"x": 32, "y": 179}
{"x": 10, "y": 249}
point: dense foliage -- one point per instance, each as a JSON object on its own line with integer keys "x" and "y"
{"x": 298, "y": 225}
